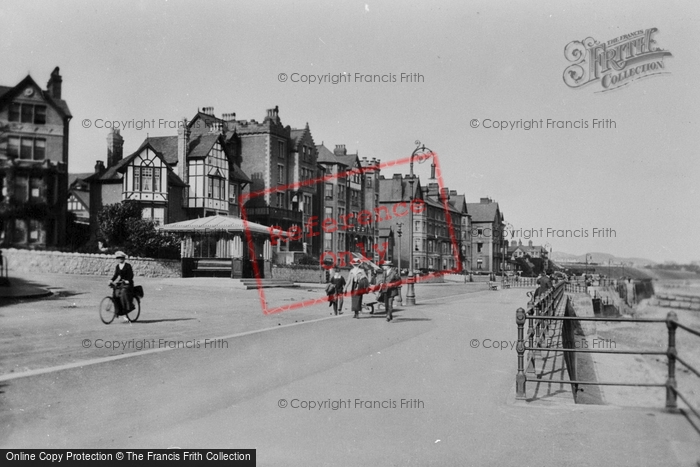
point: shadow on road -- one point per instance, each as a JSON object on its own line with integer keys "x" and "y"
{"x": 151, "y": 321}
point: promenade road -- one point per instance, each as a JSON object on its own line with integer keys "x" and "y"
{"x": 458, "y": 405}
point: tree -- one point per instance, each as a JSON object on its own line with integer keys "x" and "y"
{"x": 120, "y": 226}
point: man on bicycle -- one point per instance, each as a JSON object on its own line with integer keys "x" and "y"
{"x": 125, "y": 274}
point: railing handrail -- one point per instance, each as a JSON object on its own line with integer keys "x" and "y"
{"x": 542, "y": 311}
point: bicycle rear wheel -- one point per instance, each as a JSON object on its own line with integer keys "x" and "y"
{"x": 134, "y": 314}
{"x": 107, "y": 310}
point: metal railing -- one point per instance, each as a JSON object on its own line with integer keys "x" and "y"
{"x": 541, "y": 316}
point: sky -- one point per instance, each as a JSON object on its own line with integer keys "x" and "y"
{"x": 160, "y": 61}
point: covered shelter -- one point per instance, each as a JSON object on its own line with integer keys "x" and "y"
{"x": 219, "y": 246}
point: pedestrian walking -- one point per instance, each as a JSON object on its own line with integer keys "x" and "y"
{"x": 358, "y": 283}
{"x": 389, "y": 288}
{"x": 338, "y": 288}
{"x": 544, "y": 284}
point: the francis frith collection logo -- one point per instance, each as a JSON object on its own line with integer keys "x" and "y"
{"x": 615, "y": 63}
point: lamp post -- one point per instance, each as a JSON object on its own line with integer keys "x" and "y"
{"x": 398, "y": 232}
{"x": 506, "y": 227}
{"x": 422, "y": 153}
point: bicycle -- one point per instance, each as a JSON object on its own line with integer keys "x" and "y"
{"x": 111, "y": 307}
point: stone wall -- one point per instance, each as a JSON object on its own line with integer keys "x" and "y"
{"x": 35, "y": 261}
{"x": 309, "y": 274}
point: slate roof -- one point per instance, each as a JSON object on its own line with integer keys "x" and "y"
{"x": 483, "y": 212}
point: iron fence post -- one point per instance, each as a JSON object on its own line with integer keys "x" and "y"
{"x": 671, "y": 403}
{"x": 520, "y": 348}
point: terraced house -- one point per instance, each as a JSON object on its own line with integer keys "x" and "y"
{"x": 34, "y": 129}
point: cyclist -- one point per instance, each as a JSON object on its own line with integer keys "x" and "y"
{"x": 125, "y": 274}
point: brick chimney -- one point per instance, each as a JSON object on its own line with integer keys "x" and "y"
{"x": 445, "y": 194}
{"x": 99, "y": 167}
{"x": 433, "y": 190}
{"x": 529, "y": 243}
{"x": 183, "y": 139}
{"x": 340, "y": 150}
{"x": 115, "y": 145}
{"x": 53, "y": 87}
{"x": 485, "y": 200}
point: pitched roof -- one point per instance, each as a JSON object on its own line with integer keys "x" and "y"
{"x": 198, "y": 147}
{"x": 73, "y": 178}
{"x": 4, "y": 89}
{"x": 325, "y": 155}
{"x": 7, "y": 92}
{"x": 484, "y": 212}
{"x": 392, "y": 190}
{"x": 83, "y": 197}
{"x": 165, "y": 145}
{"x": 115, "y": 172}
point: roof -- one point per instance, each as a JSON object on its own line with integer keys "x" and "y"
{"x": 7, "y": 92}
{"x": 198, "y": 147}
{"x": 297, "y": 136}
{"x": 72, "y": 178}
{"x": 392, "y": 190}
{"x": 165, "y": 145}
{"x": 215, "y": 224}
{"x": 484, "y": 212}
{"x": 114, "y": 173}
{"x": 83, "y": 197}
{"x": 326, "y": 156}
{"x": 4, "y": 89}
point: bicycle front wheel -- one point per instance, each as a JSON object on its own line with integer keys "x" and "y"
{"x": 107, "y": 310}
{"x": 134, "y": 314}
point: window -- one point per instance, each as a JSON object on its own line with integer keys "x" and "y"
{"x": 479, "y": 247}
{"x": 280, "y": 174}
{"x": 480, "y": 232}
{"x": 280, "y": 200}
{"x": 328, "y": 213}
{"x": 216, "y": 188}
{"x": 307, "y": 204}
{"x": 21, "y": 188}
{"x": 329, "y": 190}
{"x": 26, "y": 148}
{"x": 39, "y": 149}
{"x": 13, "y": 146}
{"x": 369, "y": 182}
{"x": 280, "y": 146}
{"x": 417, "y": 227}
{"x": 327, "y": 241}
{"x": 14, "y": 112}
{"x": 40, "y": 114}
{"x": 157, "y": 215}
{"x": 35, "y": 189}
{"x": 341, "y": 191}
{"x": 137, "y": 178}
{"x": 147, "y": 178}
{"x": 35, "y": 231}
{"x": 27, "y": 113}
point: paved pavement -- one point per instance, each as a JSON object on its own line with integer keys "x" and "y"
{"x": 253, "y": 388}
